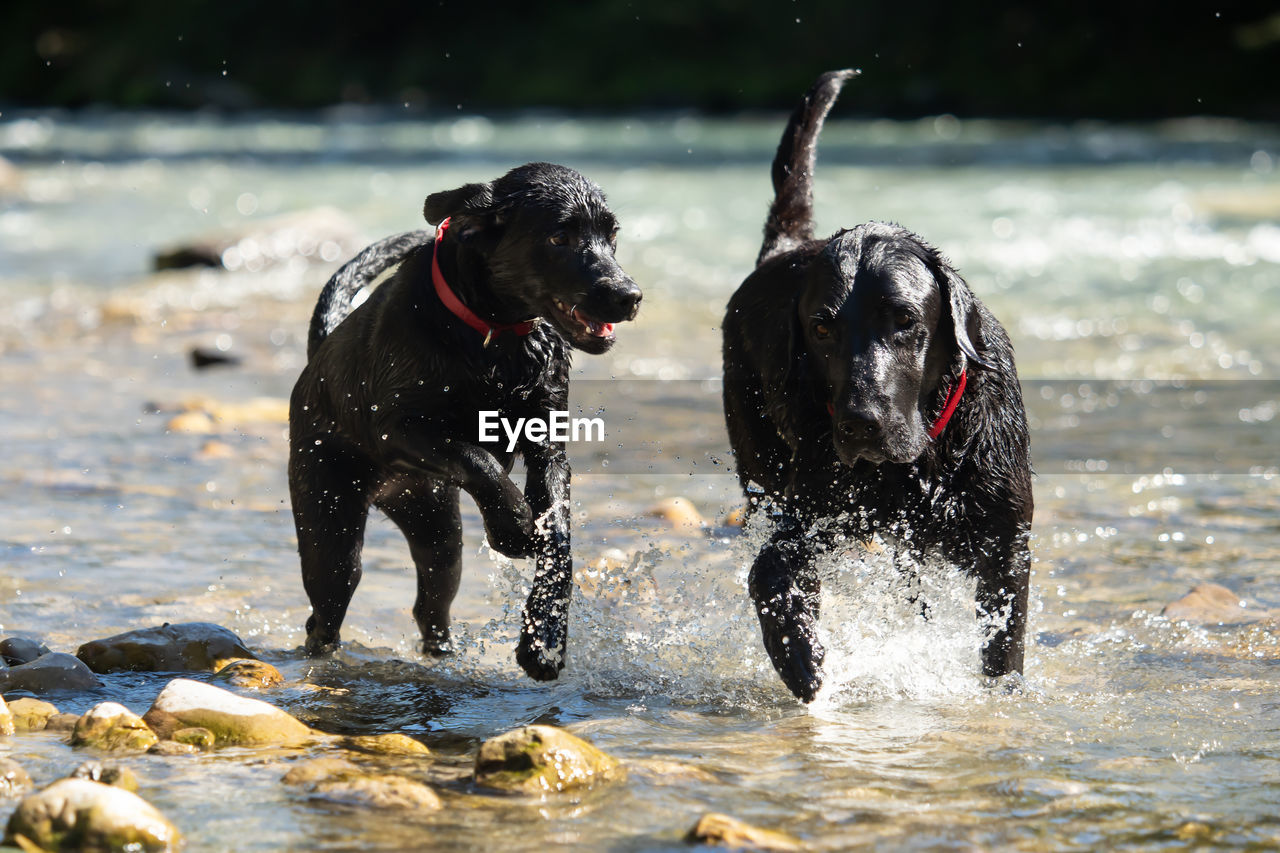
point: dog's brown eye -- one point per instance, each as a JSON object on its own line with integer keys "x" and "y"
{"x": 820, "y": 330}
{"x": 903, "y": 320}
{"x": 613, "y": 238}
{"x": 558, "y": 239}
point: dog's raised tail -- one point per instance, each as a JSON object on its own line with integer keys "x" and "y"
{"x": 790, "y": 220}
{"x": 335, "y": 301}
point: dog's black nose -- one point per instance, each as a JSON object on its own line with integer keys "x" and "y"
{"x": 627, "y": 296}
{"x": 859, "y": 426}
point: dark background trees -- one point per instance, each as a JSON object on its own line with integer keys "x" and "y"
{"x": 1055, "y": 58}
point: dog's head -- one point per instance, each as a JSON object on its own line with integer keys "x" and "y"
{"x": 880, "y": 326}
{"x": 548, "y": 240}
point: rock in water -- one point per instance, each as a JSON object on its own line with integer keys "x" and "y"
{"x": 233, "y": 720}
{"x": 31, "y": 715}
{"x": 77, "y": 814}
{"x": 183, "y": 647}
{"x": 323, "y": 235}
{"x": 13, "y": 779}
{"x": 250, "y": 673}
{"x": 679, "y": 512}
{"x": 107, "y": 774}
{"x": 725, "y": 831}
{"x": 536, "y": 759}
{"x": 1210, "y": 603}
{"x": 6, "y": 719}
{"x": 49, "y": 673}
{"x": 111, "y": 726}
{"x": 341, "y": 781}
{"x": 17, "y": 651}
{"x": 388, "y": 744}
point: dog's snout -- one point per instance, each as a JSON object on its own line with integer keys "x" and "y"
{"x": 859, "y": 426}
{"x": 628, "y": 298}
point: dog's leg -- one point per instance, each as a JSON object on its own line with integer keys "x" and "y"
{"x": 544, "y": 636}
{"x": 330, "y": 494}
{"x": 1003, "y": 584}
{"x": 508, "y": 520}
{"x": 785, "y": 588}
{"x": 429, "y": 517}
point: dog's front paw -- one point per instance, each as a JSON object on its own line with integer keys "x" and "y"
{"x": 320, "y": 643}
{"x": 511, "y": 531}
{"x": 541, "y": 652}
{"x": 792, "y": 644}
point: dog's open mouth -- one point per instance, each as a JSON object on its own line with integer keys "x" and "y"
{"x": 580, "y": 321}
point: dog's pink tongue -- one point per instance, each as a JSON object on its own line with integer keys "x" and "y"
{"x": 595, "y": 327}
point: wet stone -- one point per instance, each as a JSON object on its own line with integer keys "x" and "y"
{"x": 233, "y": 720}
{"x": 724, "y": 831}
{"x": 51, "y": 673}
{"x": 13, "y": 779}
{"x": 31, "y": 715}
{"x": 183, "y": 647}
{"x": 249, "y": 673}
{"x": 1211, "y": 603}
{"x": 17, "y": 650}
{"x": 111, "y": 726}
{"x": 340, "y": 781}
{"x": 6, "y": 719}
{"x": 107, "y": 774}
{"x": 538, "y": 759}
{"x": 77, "y": 814}
{"x": 388, "y": 744}
{"x": 62, "y": 723}
{"x": 197, "y": 736}
{"x": 679, "y": 512}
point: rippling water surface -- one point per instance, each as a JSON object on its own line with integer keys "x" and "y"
{"x": 1137, "y": 270}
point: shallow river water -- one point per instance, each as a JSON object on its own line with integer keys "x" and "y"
{"x": 1137, "y": 270}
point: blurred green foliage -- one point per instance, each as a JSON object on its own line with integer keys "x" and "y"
{"x": 1112, "y": 60}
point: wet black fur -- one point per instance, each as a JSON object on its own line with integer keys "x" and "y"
{"x": 385, "y": 413}
{"x": 875, "y": 324}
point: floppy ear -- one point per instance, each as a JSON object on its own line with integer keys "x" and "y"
{"x": 476, "y": 217}
{"x": 466, "y": 198}
{"x": 795, "y": 383}
{"x": 966, "y": 321}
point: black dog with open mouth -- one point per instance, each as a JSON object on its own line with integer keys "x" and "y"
{"x": 866, "y": 390}
{"x": 479, "y": 317}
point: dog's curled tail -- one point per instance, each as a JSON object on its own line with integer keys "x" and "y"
{"x": 335, "y": 301}
{"x": 790, "y": 221}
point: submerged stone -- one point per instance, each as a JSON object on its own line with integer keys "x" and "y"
{"x": 107, "y": 774}
{"x": 183, "y": 647}
{"x": 17, "y": 650}
{"x": 337, "y": 780}
{"x": 536, "y": 759}
{"x": 49, "y": 673}
{"x": 13, "y": 779}
{"x": 724, "y": 831}
{"x": 678, "y": 512}
{"x": 388, "y": 744}
{"x": 111, "y": 726}
{"x": 250, "y": 673}
{"x": 233, "y": 720}
{"x": 31, "y": 715}
{"x": 1211, "y": 603}
{"x": 62, "y": 723}
{"x": 77, "y": 814}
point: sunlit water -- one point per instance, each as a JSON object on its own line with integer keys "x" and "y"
{"x": 1137, "y": 270}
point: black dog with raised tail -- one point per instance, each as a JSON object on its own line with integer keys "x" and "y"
{"x": 479, "y": 317}
{"x": 867, "y": 391}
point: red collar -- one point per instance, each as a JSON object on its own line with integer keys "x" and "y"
{"x": 461, "y": 311}
{"x": 949, "y": 409}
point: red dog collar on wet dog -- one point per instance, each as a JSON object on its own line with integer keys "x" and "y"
{"x": 948, "y": 409}
{"x": 462, "y": 312}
